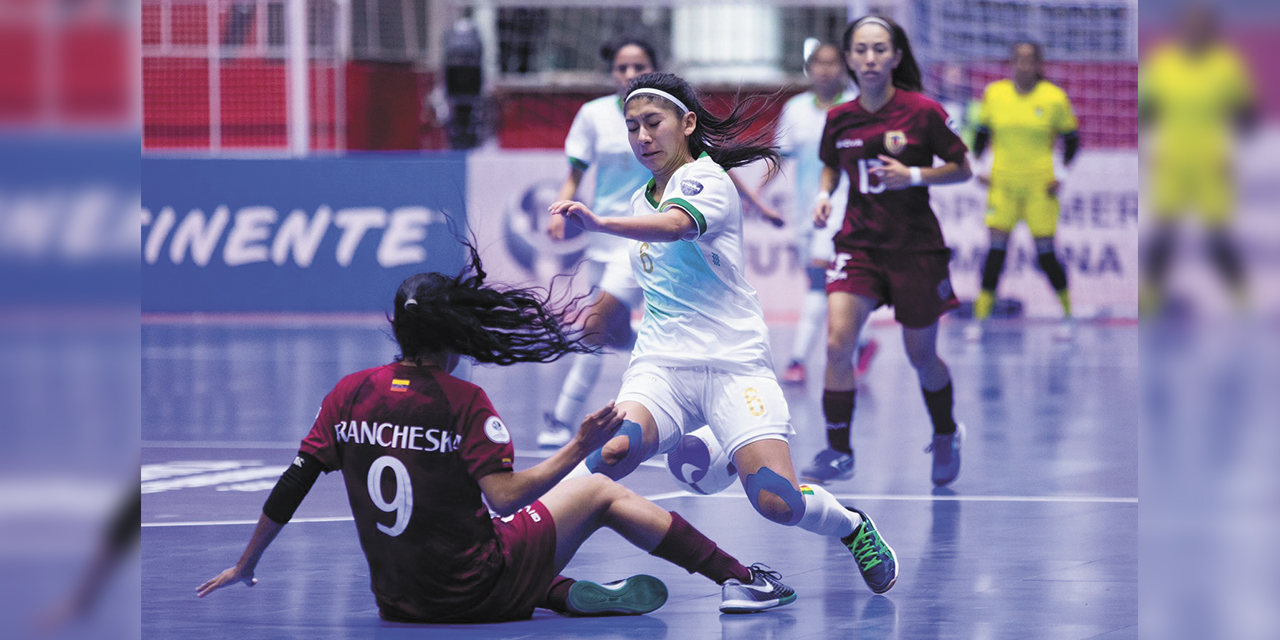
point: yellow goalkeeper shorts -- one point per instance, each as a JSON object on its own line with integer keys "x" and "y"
{"x": 1204, "y": 188}
{"x": 1009, "y": 201}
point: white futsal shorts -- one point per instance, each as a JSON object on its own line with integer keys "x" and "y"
{"x": 740, "y": 409}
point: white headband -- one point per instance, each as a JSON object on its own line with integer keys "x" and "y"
{"x": 875, "y": 20}
{"x": 660, "y": 93}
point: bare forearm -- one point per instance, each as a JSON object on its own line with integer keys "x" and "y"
{"x": 668, "y": 226}
{"x": 829, "y": 179}
{"x": 262, "y": 536}
{"x": 508, "y": 493}
{"x": 948, "y": 173}
{"x": 571, "y": 183}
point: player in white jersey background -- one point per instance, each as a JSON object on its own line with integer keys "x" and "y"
{"x": 702, "y": 355}
{"x": 598, "y": 138}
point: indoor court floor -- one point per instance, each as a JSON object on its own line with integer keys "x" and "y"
{"x": 1037, "y": 538}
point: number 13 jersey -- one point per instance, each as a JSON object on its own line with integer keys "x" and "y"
{"x": 910, "y": 128}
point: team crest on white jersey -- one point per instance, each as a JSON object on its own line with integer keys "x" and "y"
{"x": 895, "y": 141}
{"x": 690, "y": 187}
{"x": 496, "y": 431}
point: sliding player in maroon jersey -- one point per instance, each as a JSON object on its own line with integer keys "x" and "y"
{"x": 419, "y": 449}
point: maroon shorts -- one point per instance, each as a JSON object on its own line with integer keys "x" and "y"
{"x": 528, "y": 541}
{"x": 916, "y": 283}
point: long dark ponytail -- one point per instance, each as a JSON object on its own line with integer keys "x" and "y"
{"x": 461, "y": 313}
{"x": 907, "y": 74}
{"x": 723, "y": 138}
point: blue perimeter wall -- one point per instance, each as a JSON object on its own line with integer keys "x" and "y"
{"x": 309, "y": 235}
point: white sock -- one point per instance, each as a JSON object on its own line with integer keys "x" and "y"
{"x": 577, "y": 386}
{"x": 812, "y": 315}
{"x": 825, "y": 516}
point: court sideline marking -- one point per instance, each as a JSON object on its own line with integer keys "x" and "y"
{"x": 683, "y": 494}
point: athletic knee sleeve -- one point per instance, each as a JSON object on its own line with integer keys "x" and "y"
{"x": 635, "y": 453}
{"x": 994, "y": 265}
{"x": 823, "y": 514}
{"x": 767, "y": 479}
{"x": 1047, "y": 258}
{"x": 817, "y": 278}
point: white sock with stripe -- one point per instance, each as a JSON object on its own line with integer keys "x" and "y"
{"x": 824, "y": 515}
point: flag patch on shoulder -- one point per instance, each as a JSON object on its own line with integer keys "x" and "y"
{"x": 399, "y": 385}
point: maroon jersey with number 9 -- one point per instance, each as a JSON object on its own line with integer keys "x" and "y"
{"x": 411, "y": 443}
{"x": 911, "y": 128}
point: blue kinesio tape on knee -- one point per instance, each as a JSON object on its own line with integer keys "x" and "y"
{"x": 628, "y": 463}
{"x": 767, "y": 479}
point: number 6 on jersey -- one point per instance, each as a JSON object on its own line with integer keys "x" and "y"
{"x": 402, "y": 505}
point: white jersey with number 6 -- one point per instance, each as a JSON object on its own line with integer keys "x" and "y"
{"x": 699, "y": 309}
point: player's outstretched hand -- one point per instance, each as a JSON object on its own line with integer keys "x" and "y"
{"x": 576, "y": 213}
{"x": 555, "y": 228}
{"x": 230, "y": 576}
{"x": 598, "y": 427}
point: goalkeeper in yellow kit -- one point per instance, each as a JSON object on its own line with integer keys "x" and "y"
{"x": 1193, "y": 95}
{"x": 1022, "y": 118}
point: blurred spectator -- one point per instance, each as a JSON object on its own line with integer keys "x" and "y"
{"x": 464, "y": 82}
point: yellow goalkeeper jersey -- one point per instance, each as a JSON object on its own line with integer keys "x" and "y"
{"x": 1023, "y": 128}
{"x": 1194, "y": 98}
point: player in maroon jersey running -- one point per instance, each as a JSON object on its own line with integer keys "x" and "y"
{"x": 890, "y": 249}
{"x": 419, "y": 449}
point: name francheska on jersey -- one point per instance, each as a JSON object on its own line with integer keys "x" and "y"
{"x": 397, "y": 436}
